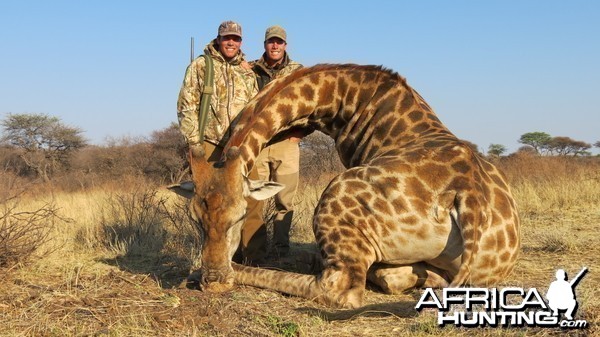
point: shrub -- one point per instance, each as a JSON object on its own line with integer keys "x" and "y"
{"x": 132, "y": 223}
{"x": 23, "y": 232}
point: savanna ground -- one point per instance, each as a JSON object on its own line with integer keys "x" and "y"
{"x": 113, "y": 258}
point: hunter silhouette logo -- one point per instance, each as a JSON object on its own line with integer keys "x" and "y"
{"x": 479, "y": 307}
{"x": 561, "y": 294}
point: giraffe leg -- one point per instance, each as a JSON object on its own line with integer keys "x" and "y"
{"x": 346, "y": 258}
{"x": 396, "y": 279}
{"x": 342, "y": 284}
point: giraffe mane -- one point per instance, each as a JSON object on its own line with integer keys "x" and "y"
{"x": 250, "y": 114}
{"x": 320, "y": 68}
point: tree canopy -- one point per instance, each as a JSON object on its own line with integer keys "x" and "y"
{"x": 564, "y": 146}
{"x": 537, "y": 140}
{"x": 543, "y": 143}
{"x": 496, "y": 150}
{"x": 45, "y": 142}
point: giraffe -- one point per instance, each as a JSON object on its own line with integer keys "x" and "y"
{"x": 416, "y": 207}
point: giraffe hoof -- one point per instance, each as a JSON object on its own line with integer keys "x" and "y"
{"x": 351, "y": 303}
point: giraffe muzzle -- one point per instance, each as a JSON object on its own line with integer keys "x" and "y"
{"x": 216, "y": 280}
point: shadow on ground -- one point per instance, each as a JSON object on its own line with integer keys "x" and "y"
{"x": 171, "y": 270}
{"x": 404, "y": 309}
{"x": 167, "y": 270}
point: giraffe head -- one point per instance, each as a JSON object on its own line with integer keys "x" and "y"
{"x": 218, "y": 206}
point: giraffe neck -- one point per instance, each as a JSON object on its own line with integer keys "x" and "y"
{"x": 367, "y": 110}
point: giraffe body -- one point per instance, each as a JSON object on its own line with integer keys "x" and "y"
{"x": 415, "y": 208}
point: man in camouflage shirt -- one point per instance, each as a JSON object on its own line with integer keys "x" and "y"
{"x": 235, "y": 84}
{"x": 278, "y": 162}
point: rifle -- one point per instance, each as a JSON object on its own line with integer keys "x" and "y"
{"x": 578, "y": 277}
{"x": 209, "y": 75}
{"x": 191, "y": 49}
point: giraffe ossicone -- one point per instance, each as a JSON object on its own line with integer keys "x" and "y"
{"x": 416, "y": 206}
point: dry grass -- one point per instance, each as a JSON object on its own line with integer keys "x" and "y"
{"x": 122, "y": 257}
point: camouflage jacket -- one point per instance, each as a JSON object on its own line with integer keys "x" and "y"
{"x": 235, "y": 84}
{"x": 265, "y": 74}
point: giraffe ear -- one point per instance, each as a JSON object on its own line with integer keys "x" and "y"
{"x": 185, "y": 189}
{"x": 261, "y": 189}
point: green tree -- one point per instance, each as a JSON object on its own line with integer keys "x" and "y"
{"x": 496, "y": 150}
{"x": 537, "y": 140}
{"x": 564, "y": 146}
{"x": 44, "y": 142}
{"x": 597, "y": 144}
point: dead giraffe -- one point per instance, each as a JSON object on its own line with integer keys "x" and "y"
{"x": 416, "y": 207}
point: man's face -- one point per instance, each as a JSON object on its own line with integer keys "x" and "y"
{"x": 275, "y": 49}
{"x": 229, "y": 45}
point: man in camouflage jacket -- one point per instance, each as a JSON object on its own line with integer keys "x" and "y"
{"x": 278, "y": 162}
{"x": 235, "y": 84}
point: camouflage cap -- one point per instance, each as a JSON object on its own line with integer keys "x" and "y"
{"x": 276, "y": 31}
{"x": 230, "y": 28}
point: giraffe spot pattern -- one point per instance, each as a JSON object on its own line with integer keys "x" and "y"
{"x": 307, "y": 92}
{"x": 410, "y": 180}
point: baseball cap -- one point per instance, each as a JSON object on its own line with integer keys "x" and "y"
{"x": 230, "y": 28}
{"x": 276, "y": 31}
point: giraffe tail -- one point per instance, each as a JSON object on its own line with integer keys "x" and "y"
{"x": 463, "y": 275}
{"x": 471, "y": 220}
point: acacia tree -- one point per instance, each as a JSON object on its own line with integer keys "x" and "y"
{"x": 597, "y": 144}
{"x": 564, "y": 146}
{"x": 496, "y": 150}
{"x": 537, "y": 140}
{"x": 44, "y": 142}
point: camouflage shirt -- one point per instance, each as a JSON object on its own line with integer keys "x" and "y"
{"x": 234, "y": 86}
{"x": 265, "y": 74}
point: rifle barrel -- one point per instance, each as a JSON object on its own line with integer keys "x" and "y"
{"x": 191, "y": 49}
{"x": 578, "y": 276}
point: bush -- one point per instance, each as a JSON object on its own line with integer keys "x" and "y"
{"x": 144, "y": 225}
{"x": 22, "y": 233}
{"x": 132, "y": 223}
{"x": 319, "y": 157}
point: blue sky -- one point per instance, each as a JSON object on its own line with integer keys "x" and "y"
{"x": 492, "y": 70}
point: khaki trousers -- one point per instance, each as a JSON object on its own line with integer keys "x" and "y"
{"x": 279, "y": 162}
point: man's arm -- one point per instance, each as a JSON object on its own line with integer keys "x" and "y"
{"x": 188, "y": 103}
